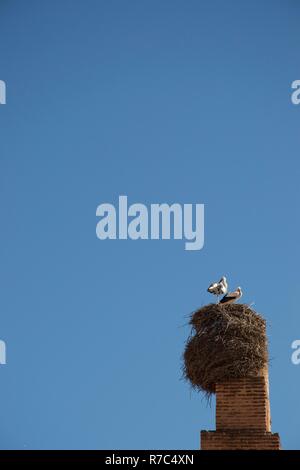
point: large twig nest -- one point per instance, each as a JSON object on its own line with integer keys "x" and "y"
{"x": 227, "y": 342}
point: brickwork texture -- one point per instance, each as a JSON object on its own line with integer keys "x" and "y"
{"x": 242, "y": 416}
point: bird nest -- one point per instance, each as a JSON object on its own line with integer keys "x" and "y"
{"x": 227, "y": 342}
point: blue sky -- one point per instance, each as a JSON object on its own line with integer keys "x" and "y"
{"x": 163, "y": 101}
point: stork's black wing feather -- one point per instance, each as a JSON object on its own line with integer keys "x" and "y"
{"x": 226, "y": 298}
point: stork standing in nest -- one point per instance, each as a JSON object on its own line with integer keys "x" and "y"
{"x": 218, "y": 288}
{"x": 232, "y": 297}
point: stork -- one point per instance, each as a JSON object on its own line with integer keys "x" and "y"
{"x": 232, "y": 297}
{"x": 218, "y": 288}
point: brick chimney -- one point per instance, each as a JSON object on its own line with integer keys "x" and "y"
{"x": 242, "y": 416}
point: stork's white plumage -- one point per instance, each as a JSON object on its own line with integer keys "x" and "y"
{"x": 218, "y": 288}
{"x": 232, "y": 296}
{"x": 224, "y": 286}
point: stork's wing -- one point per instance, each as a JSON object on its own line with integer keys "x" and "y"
{"x": 229, "y": 296}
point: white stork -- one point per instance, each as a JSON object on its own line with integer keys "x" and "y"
{"x": 232, "y": 296}
{"x": 218, "y": 288}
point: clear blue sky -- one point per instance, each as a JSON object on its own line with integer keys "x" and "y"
{"x": 164, "y": 101}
